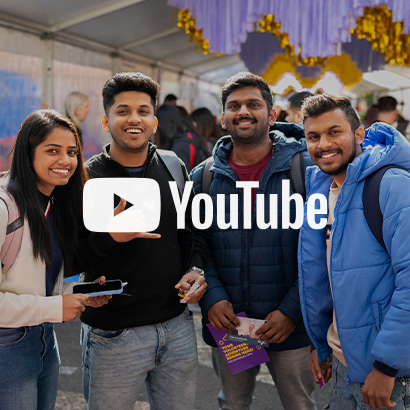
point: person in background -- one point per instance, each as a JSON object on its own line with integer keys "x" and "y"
{"x": 388, "y": 112}
{"x": 294, "y": 107}
{"x": 170, "y": 99}
{"x": 182, "y": 110}
{"x": 205, "y": 124}
{"x": 76, "y": 108}
{"x": 46, "y": 182}
{"x": 280, "y": 108}
{"x": 371, "y": 116}
{"x": 179, "y": 135}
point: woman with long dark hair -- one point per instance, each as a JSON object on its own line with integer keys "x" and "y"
{"x": 205, "y": 125}
{"x": 46, "y": 182}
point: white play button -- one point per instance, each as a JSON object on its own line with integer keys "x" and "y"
{"x": 142, "y": 213}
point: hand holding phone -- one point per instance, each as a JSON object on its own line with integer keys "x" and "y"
{"x": 110, "y": 287}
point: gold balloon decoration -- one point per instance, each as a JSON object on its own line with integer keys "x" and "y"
{"x": 342, "y": 66}
{"x": 376, "y": 26}
{"x": 187, "y": 23}
{"x": 281, "y": 64}
{"x": 386, "y": 36}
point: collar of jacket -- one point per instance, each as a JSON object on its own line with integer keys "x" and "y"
{"x": 283, "y": 150}
{"x": 106, "y": 154}
{"x": 383, "y": 145}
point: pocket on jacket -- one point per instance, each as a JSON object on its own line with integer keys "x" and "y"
{"x": 377, "y": 315}
{"x": 12, "y": 336}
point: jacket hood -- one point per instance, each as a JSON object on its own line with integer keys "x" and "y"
{"x": 284, "y": 148}
{"x": 382, "y": 145}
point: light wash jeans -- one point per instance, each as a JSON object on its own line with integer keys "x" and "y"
{"x": 117, "y": 363}
{"x": 29, "y": 368}
{"x": 290, "y": 371}
{"x": 339, "y": 401}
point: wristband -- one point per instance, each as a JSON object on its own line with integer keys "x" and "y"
{"x": 196, "y": 269}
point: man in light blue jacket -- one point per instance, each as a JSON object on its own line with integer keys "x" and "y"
{"x": 355, "y": 295}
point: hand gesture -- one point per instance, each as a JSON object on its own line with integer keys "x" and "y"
{"x": 129, "y": 236}
{"x": 277, "y": 328}
{"x": 377, "y": 390}
{"x": 320, "y": 371}
{"x": 187, "y": 281}
{"x": 222, "y": 317}
{"x": 98, "y": 301}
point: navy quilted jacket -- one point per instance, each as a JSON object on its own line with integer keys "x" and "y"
{"x": 256, "y": 270}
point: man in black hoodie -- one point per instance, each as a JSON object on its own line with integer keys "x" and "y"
{"x": 148, "y": 337}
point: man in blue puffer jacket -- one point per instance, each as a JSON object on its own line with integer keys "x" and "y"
{"x": 255, "y": 270}
{"x": 355, "y": 295}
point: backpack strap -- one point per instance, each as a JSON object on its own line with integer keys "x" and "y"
{"x": 14, "y": 232}
{"x": 371, "y": 203}
{"x": 297, "y": 175}
{"x": 173, "y": 165}
{"x": 207, "y": 175}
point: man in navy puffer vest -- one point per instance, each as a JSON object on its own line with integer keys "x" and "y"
{"x": 254, "y": 270}
{"x": 355, "y": 294}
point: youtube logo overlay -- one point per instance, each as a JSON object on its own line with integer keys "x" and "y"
{"x": 142, "y": 213}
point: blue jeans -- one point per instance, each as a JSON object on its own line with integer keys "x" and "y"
{"x": 117, "y": 363}
{"x": 290, "y": 371}
{"x": 29, "y": 368}
{"x": 339, "y": 401}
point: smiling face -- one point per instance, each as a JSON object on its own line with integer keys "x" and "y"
{"x": 332, "y": 144}
{"x": 55, "y": 160}
{"x": 131, "y": 122}
{"x": 246, "y": 116}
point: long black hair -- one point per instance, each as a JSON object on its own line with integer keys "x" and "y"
{"x": 22, "y": 186}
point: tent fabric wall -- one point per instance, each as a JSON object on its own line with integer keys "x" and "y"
{"x": 70, "y": 77}
{"x": 76, "y": 69}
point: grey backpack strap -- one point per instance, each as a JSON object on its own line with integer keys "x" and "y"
{"x": 174, "y": 167}
{"x": 297, "y": 175}
{"x": 207, "y": 175}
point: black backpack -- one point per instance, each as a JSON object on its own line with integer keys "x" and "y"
{"x": 371, "y": 204}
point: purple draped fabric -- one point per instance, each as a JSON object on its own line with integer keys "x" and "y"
{"x": 362, "y": 53}
{"x": 309, "y": 72}
{"x": 258, "y": 51}
{"x": 317, "y": 25}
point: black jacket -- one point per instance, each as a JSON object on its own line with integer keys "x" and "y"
{"x": 152, "y": 267}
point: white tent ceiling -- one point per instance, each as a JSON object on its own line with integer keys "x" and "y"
{"x": 139, "y": 30}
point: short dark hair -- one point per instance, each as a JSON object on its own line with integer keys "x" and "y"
{"x": 123, "y": 82}
{"x": 245, "y": 79}
{"x": 387, "y": 104}
{"x": 320, "y": 104}
{"x": 296, "y": 100}
{"x": 170, "y": 97}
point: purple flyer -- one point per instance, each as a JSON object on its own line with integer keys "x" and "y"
{"x": 238, "y": 356}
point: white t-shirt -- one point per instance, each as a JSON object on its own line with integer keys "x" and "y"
{"x": 332, "y": 336}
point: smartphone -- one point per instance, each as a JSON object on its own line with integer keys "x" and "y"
{"x": 110, "y": 287}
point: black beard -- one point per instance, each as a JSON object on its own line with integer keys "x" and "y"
{"x": 257, "y": 138}
{"x": 123, "y": 145}
{"x": 345, "y": 164}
